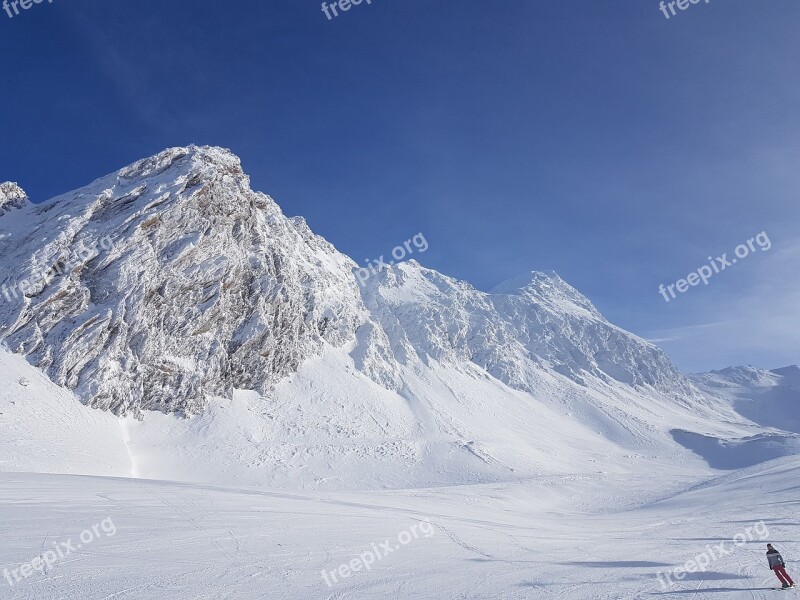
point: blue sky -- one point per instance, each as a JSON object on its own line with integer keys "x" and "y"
{"x": 594, "y": 138}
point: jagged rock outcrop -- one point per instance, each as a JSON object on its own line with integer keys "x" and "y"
{"x": 169, "y": 282}
{"x": 11, "y": 196}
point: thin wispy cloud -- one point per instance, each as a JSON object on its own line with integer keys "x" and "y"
{"x": 757, "y": 317}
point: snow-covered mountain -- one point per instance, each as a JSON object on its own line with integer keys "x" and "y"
{"x": 770, "y": 398}
{"x": 171, "y": 282}
{"x": 168, "y": 283}
{"x": 247, "y": 352}
{"x": 524, "y": 326}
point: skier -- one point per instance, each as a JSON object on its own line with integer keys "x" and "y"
{"x": 776, "y": 564}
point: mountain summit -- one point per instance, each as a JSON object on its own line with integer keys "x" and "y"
{"x": 205, "y": 286}
{"x": 11, "y": 196}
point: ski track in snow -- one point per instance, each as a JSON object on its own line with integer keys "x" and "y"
{"x": 261, "y": 544}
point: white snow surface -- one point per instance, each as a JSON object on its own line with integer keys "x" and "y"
{"x": 546, "y": 507}
{"x": 218, "y": 384}
{"x": 593, "y": 537}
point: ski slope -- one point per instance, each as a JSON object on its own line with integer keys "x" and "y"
{"x": 565, "y": 505}
{"x": 553, "y": 537}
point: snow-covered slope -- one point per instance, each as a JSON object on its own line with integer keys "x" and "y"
{"x": 45, "y": 429}
{"x": 331, "y": 427}
{"x": 770, "y": 398}
{"x": 521, "y": 541}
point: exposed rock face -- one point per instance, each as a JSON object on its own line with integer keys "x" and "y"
{"x": 171, "y": 281}
{"x": 11, "y": 196}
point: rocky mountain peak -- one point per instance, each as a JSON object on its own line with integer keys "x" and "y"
{"x": 547, "y": 289}
{"x": 11, "y": 196}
